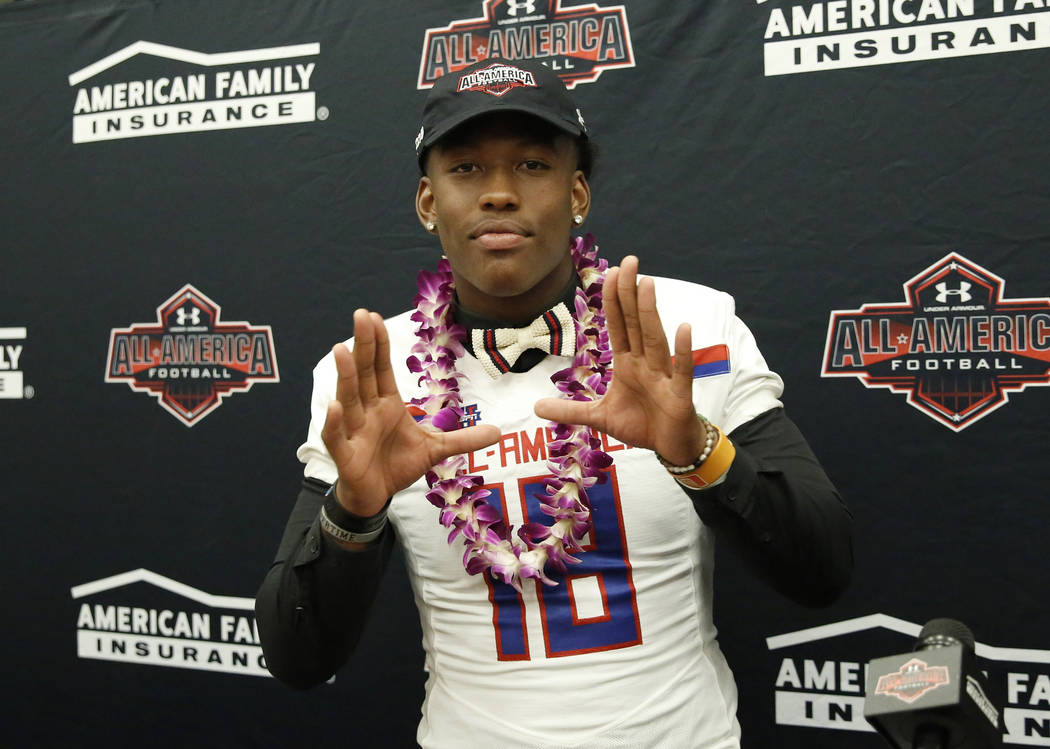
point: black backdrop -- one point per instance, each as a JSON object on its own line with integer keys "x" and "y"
{"x": 800, "y": 192}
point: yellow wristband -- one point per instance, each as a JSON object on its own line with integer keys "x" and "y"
{"x": 714, "y": 467}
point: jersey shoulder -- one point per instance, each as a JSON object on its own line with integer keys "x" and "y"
{"x": 708, "y": 310}
{"x": 678, "y": 291}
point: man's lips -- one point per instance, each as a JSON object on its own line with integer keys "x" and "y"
{"x": 500, "y": 240}
{"x": 499, "y": 235}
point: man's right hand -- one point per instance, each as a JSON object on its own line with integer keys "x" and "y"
{"x": 377, "y": 446}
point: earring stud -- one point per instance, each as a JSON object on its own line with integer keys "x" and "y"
{"x": 577, "y": 219}
{"x": 431, "y": 226}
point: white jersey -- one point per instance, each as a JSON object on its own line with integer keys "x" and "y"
{"x": 622, "y": 653}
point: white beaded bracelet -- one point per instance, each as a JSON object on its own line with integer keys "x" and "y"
{"x": 709, "y": 446}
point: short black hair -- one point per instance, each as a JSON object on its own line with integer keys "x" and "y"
{"x": 586, "y": 149}
{"x": 586, "y": 155}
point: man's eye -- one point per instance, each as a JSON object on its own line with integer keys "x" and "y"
{"x": 463, "y": 168}
{"x": 533, "y": 164}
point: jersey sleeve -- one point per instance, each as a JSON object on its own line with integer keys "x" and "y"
{"x": 755, "y": 388}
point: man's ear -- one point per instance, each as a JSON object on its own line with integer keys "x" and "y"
{"x": 425, "y": 208}
{"x": 581, "y": 195}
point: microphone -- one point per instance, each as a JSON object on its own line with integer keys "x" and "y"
{"x": 934, "y": 697}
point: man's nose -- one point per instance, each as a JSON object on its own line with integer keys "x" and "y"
{"x": 499, "y": 192}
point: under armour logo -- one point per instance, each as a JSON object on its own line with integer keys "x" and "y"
{"x": 962, "y": 292}
{"x": 194, "y": 315}
{"x": 513, "y": 6}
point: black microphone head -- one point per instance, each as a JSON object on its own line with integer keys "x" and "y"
{"x": 934, "y": 696}
{"x": 939, "y": 633}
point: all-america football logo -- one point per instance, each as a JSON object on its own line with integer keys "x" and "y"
{"x": 578, "y": 42}
{"x": 914, "y": 679}
{"x": 189, "y": 359}
{"x": 496, "y": 79}
{"x": 955, "y": 346}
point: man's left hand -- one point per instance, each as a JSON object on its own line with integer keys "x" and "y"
{"x": 649, "y": 402}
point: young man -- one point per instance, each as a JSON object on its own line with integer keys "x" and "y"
{"x": 591, "y": 627}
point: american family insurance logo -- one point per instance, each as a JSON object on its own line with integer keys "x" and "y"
{"x": 189, "y": 359}
{"x": 811, "y": 37}
{"x": 955, "y": 346}
{"x": 143, "y": 618}
{"x": 12, "y": 382}
{"x": 578, "y": 42}
{"x": 819, "y": 675}
{"x": 154, "y": 89}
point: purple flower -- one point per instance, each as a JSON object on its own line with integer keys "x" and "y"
{"x": 447, "y": 419}
{"x": 486, "y": 513}
{"x": 474, "y": 565}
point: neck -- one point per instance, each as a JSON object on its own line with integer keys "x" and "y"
{"x": 470, "y": 319}
{"x": 518, "y": 309}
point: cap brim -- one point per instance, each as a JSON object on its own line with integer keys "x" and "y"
{"x": 570, "y": 128}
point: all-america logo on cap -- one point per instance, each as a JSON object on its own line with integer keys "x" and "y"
{"x": 496, "y": 79}
{"x": 526, "y": 86}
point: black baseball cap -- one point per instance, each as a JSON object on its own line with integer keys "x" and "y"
{"x": 497, "y": 85}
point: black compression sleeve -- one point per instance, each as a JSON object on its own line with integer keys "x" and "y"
{"x": 314, "y": 602}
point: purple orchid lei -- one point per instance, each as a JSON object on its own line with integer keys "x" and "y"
{"x": 575, "y": 457}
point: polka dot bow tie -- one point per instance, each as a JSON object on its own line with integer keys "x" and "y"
{"x": 498, "y": 348}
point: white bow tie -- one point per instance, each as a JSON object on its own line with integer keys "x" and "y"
{"x": 498, "y": 348}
